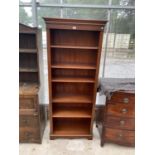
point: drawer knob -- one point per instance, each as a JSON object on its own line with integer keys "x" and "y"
{"x": 124, "y": 110}
{"x": 126, "y": 100}
{"x": 120, "y": 135}
{"x": 74, "y": 27}
{"x": 122, "y": 122}
{"x": 35, "y": 114}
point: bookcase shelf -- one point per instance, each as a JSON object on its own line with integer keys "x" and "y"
{"x": 78, "y": 80}
{"x": 70, "y": 127}
{"x": 72, "y": 99}
{"x": 28, "y": 70}
{"x": 25, "y": 50}
{"x": 72, "y": 113}
{"x": 74, "y": 49}
{"x": 73, "y": 66}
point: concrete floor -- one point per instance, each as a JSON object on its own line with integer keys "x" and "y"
{"x": 73, "y": 147}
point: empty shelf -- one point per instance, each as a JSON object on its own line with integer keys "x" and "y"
{"x": 78, "y": 80}
{"x": 73, "y": 99}
{"x": 71, "y": 128}
{"x": 74, "y": 47}
{"x": 73, "y": 66}
{"x": 72, "y": 112}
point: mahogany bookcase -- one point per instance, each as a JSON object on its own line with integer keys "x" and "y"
{"x": 74, "y": 49}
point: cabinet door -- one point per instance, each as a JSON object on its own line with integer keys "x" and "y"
{"x": 29, "y": 135}
{"x": 28, "y": 102}
{"x": 29, "y": 121}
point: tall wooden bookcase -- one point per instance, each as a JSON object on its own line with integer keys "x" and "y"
{"x": 74, "y": 49}
{"x": 32, "y": 114}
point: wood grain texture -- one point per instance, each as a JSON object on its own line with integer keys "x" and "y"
{"x": 71, "y": 126}
{"x": 123, "y": 137}
{"x": 120, "y": 122}
{"x": 71, "y": 112}
{"x": 28, "y": 101}
{"x": 73, "y": 66}
{"x": 72, "y": 99}
{"x": 121, "y": 110}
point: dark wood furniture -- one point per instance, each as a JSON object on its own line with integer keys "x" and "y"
{"x": 74, "y": 49}
{"x": 32, "y": 117}
{"x": 99, "y": 113}
{"x": 118, "y": 125}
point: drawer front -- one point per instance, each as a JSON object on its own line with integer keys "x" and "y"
{"x": 29, "y": 135}
{"x": 28, "y": 121}
{"x": 120, "y": 136}
{"x": 121, "y": 97}
{"x": 121, "y": 110}
{"x": 120, "y": 123}
{"x": 28, "y": 102}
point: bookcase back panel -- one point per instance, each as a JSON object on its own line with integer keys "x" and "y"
{"x": 70, "y": 56}
{"x": 71, "y": 126}
{"x": 27, "y": 41}
{"x": 74, "y": 37}
{"x": 72, "y": 105}
{"x": 28, "y": 60}
{"x": 71, "y": 110}
{"x": 72, "y": 73}
{"x": 71, "y": 120}
{"x": 72, "y": 89}
{"x": 28, "y": 77}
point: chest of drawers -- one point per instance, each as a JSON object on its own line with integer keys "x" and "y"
{"x": 118, "y": 125}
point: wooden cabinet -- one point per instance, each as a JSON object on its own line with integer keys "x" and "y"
{"x": 32, "y": 114}
{"x": 118, "y": 124}
{"x": 74, "y": 49}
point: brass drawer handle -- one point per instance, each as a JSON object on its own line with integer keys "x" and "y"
{"x": 120, "y": 135}
{"x": 74, "y": 27}
{"x": 122, "y": 122}
{"x": 35, "y": 114}
{"x": 124, "y": 111}
{"x": 126, "y": 100}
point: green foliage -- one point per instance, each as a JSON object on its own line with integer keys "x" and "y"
{"x": 23, "y": 16}
{"x": 122, "y": 21}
